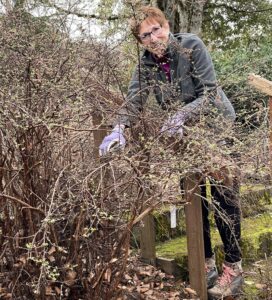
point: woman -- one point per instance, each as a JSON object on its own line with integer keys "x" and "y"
{"x": 183, "y": 62}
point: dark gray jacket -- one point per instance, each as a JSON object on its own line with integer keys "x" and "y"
{"x": 193, "y": 82}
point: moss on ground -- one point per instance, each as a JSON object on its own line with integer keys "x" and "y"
{"x": 252, "y": 229}
{"x": 256, "y": 246}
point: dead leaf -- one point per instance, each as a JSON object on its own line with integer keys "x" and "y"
{"x": 52, "y": 250}
{"x": 63, "y": 250}
{"x": 51, "y": 258}
{"x": 91, "y": 276}
{"x": 48, "y": 291}
{"x": 70, "y": 277}
{"x": 145, "y": 273}
{"x": 131, "y": 289}
{"x": 57, "y": 290}
{"x": 3, "y": 290}
{"x": 135, "y": 278}
{"x": 174, "y": 294}
{"x": 17, "y": 265}
{"x": 22, "y": 259}
{"x": 149, "y": 292}
{"x": 190, "y": 291}
{"x": 162, "y": 275}
{"x": 107, "y": 275}
{"x": 127, "y": 277}
{"x": 261, "y": 286}
{"x": 144, "y": 289}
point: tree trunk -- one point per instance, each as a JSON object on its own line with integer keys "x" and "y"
{"x": 183, "y": 15}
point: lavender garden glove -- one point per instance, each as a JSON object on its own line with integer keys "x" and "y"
{"x": 114, "y": 140}
{"x": 174, "y": 125}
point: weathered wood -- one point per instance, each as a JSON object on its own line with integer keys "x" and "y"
{"x": 169, "y": 266}
{"x": 143, "y": 214}
{"x": 270, "y": 131}
{"x": 98, "y": 134}
{"x": 147, "y": 240}
{"x": 261, "y": 84}
{"x": 194, "y": 232}
{"x": 264, "y": 86}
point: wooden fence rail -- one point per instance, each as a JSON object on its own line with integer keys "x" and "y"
{"x": 195, "y": 243}
{"x": 264, "y": 86}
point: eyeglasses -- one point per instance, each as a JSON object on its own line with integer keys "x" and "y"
{"x": 156, "y": 30}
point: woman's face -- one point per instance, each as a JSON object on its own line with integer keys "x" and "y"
{"x": 154, "y": 37}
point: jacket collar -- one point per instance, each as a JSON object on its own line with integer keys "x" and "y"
{"x": 172, "y": 45}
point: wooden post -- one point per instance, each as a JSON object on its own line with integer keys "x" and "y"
{"x": 261, "y": 84}
{"x": 98, "y": 134}
{"x": 194, "y": 232}
{"x": 147, "y": 240}
{"x": 147, "y": 232}
{"x": 264, "y": 86}
{"x": 270, "y": 131}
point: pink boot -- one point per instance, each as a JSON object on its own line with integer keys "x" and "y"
{"x": 229, "y": 283}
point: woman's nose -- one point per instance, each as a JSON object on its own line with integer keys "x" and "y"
{"x": 153, "y": 38}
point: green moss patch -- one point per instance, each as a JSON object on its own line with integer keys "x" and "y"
{"x": 256, "y": 247}
{"x": 255, "y": 237}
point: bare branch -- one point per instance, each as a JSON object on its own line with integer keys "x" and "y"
{"x": 21, "y": 202}
{"x": 244, "y": 11}
{"x": 82, "y": 15}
